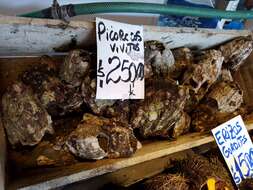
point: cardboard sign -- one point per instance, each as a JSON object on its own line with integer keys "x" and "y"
{"x": 236, "y": 147}
{"x": 120, "y": 60}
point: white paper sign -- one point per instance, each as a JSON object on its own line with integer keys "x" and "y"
{"x": 120, "y": 60}
{"x": 236, "y": 147}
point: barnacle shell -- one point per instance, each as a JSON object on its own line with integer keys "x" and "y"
{"x": 220, "y": 104}
{"x": 203, "y": 74}
{"x": 161, "y": 109}
{"x": 227, "y": 96}
{"x": 89, "y": 96}
{"x": 76, "y": 65}
{"x": 158, "y": 59}
{"x": 236, "y": 51}
{"x": 200, "y": 76}
{"x": 34, "y": 76}
{"x": 25, "y": 119}
{"x": 58, "y": 98}
{"x": 97, "y": 137}
{"x": 226, "y": 75}
{"x": 183, "y": 60}
{"x": 182, "y": 126}
{"x": 118, "y": 109}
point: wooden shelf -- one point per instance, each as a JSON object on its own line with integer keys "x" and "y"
{"x": 56, "y": 177}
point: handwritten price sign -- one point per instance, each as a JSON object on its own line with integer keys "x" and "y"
{"x": 120, "y": 60}
{"x": 236, "y": 147}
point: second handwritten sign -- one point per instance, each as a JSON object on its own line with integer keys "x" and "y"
{"x": 236, "y": 147}
{"x": 120, "y": 60}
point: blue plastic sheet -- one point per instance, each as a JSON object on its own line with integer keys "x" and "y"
{"x": 195, "y": 22}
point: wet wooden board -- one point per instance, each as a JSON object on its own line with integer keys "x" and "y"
{"x": 35, "y": 36}
{"x": 57, "y": 177}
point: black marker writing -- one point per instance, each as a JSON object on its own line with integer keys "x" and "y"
{"x": 124, "y": 68}
{"x": 101, "y": 29}
{"x": 124, "y": 47}
{"x": 117, "y": 35}
{"x": 100, "y": 72}
{"x": 131, "y": 91}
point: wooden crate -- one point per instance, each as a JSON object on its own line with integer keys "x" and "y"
{"x": 22, "y": 40}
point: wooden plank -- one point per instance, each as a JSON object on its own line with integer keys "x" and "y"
{"x": 198, "y": 38}
{"x": 28, "y": 36}
{"x": 57, "y": 177}
{"x": 2, "y": 156}
{"x": 33, "y": 36}
{"x": 130, "y": 175}
{"x": 133, "y": 174}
